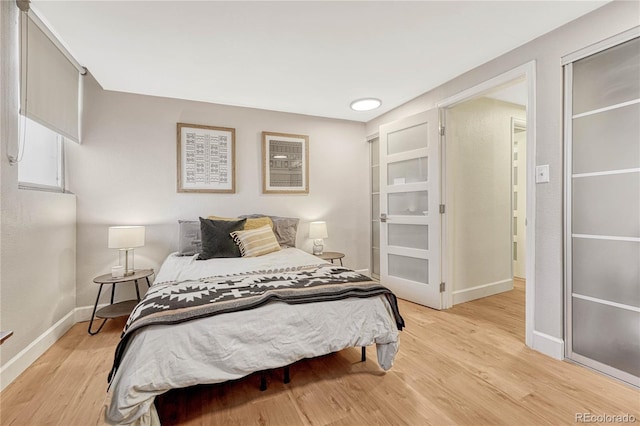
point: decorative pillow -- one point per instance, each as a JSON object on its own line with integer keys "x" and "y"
{"x": 189, "y": 240}
{"x": 252, "y": 223}
{"x": 285, "y": 228}
{"x": 256, "y": 242}
{"x": 216, "y": 238}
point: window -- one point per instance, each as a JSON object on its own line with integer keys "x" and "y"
{"x": 41, "y": 162}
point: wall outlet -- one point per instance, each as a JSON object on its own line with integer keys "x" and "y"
{"x": 542, "y": 173}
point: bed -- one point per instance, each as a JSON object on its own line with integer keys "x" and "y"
{"x": 187, "y": 346}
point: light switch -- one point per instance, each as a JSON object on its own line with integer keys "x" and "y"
{"x": 542, "y": 173}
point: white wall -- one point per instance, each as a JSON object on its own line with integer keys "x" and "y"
{"x": 478, "y": 144}
{"x": 37, "y": 248}
{"x": 125, "y": 173}
{"x": 613, "y": 18}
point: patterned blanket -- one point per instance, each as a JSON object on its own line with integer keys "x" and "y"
{"x": 176, "y": 302}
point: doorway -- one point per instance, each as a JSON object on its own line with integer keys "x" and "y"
{"x": 488, "y": 190}
{"x": 484, "y": 176}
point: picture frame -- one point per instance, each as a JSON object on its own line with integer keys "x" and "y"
{"x": 206, "y": 158}
{"x": 285, "y": 163}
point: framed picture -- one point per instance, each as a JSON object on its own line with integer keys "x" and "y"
{"x": 285, "y": 163}
{"x": 206, "y": 158}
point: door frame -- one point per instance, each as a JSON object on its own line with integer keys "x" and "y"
{"x": 528, "y": 71}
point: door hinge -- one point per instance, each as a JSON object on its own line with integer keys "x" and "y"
{"x": 441, "y": 287}
{"x": 441, "y": 208}
{"x": 441, "y": 130}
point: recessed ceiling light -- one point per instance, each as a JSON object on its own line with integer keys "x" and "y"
{"x": 366, "y": 104}
{"x": 279, "y": 157}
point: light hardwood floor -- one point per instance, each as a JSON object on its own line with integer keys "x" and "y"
{"x": 466, "y": 366}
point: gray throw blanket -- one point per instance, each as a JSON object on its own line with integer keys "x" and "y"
{"x": 176, "y": 302}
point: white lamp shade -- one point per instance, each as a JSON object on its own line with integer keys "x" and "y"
{"x": 125, "y": 237}
{"x": 318, "y": 230}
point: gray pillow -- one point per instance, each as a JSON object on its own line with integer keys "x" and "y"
{"x": 216, "y": 238}
{"x": 285, "y": 228}
{"x": 189, "y": 240}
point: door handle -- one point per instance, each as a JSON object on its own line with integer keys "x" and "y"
{"x": 383, "y": 217}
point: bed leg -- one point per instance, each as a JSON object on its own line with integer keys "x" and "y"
{"x": 263, "y": 381}
{"x": 364, "y": 354}
{"x": 287, "y": 377}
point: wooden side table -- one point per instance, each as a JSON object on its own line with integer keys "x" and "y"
{"x": 331, "y": 256}
{"x": 4, "y": 335}
{"x": 119, "y": 309}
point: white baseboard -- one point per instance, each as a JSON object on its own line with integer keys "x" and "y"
{"x": 363, "y": 272}
{"x": 548, "y": 345}
{"x": 19, "y": 363}
{"x": 84, "y": 313}
{"x": 483, "y": 290}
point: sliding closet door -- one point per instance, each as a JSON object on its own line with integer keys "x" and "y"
{"x": 603, "y": 210}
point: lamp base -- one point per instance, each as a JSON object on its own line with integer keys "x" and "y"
{"x": 318, "y": 246}
{"x": 129, "y": 269}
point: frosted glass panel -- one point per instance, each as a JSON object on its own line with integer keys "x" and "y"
{"x": 375, "y": 233}
{"x": 607, "y": 205}
{"x": 375, "y": 179}
{"x": 607, "y": 141}
{"x": 375, "y": 264}
{"x": 409, "y": 268}
{"x": 409, "y": 171}
{"x": 411, "y": 236}
{"x": 607, "y": 78}
{"x": 608, "y": 270}
{"x": 375, "y": 206}
{"x": 607, "y": 334}
{"x": 408, "y": 203}
{"x": 407, "y": 139}
{"x": 375, "y": 152}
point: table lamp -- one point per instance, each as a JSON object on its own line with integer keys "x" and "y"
{"x": 318, "y": 231}
{"x": 125, "y": 239}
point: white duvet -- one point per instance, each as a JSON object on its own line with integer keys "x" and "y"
{"x": 233, "y": 345}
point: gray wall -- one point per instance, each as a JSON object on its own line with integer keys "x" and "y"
{"x": 124, "y": 172}
{"x": 547, "y": 51}
{"x": 37, "y": 278}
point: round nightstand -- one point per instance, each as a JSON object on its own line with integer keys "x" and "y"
{"x": 118, "y": 309}
{"x": 331, "y": 256}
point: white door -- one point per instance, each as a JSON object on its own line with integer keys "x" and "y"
{"x": 410, "y": 208}
{"x": 519, "y": 196}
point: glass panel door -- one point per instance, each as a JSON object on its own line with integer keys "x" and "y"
{"x": 409, "y": 208}
{"x": 374, "y": 156}
{"x": 603, "y": 203}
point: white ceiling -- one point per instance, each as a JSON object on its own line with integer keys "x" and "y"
{"x": 303, "y": 57}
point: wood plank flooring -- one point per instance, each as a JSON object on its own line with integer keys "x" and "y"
{"x": 465, "y": 366}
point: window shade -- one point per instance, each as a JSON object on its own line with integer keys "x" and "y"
{"x": 50, "y": 83}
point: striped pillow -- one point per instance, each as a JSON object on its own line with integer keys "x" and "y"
{"x": 256, "y": 242}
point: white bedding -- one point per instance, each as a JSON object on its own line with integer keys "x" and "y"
{"x": 232, "y": 345}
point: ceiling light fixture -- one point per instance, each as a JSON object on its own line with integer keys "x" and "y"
{"x": 366, "y": 104}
